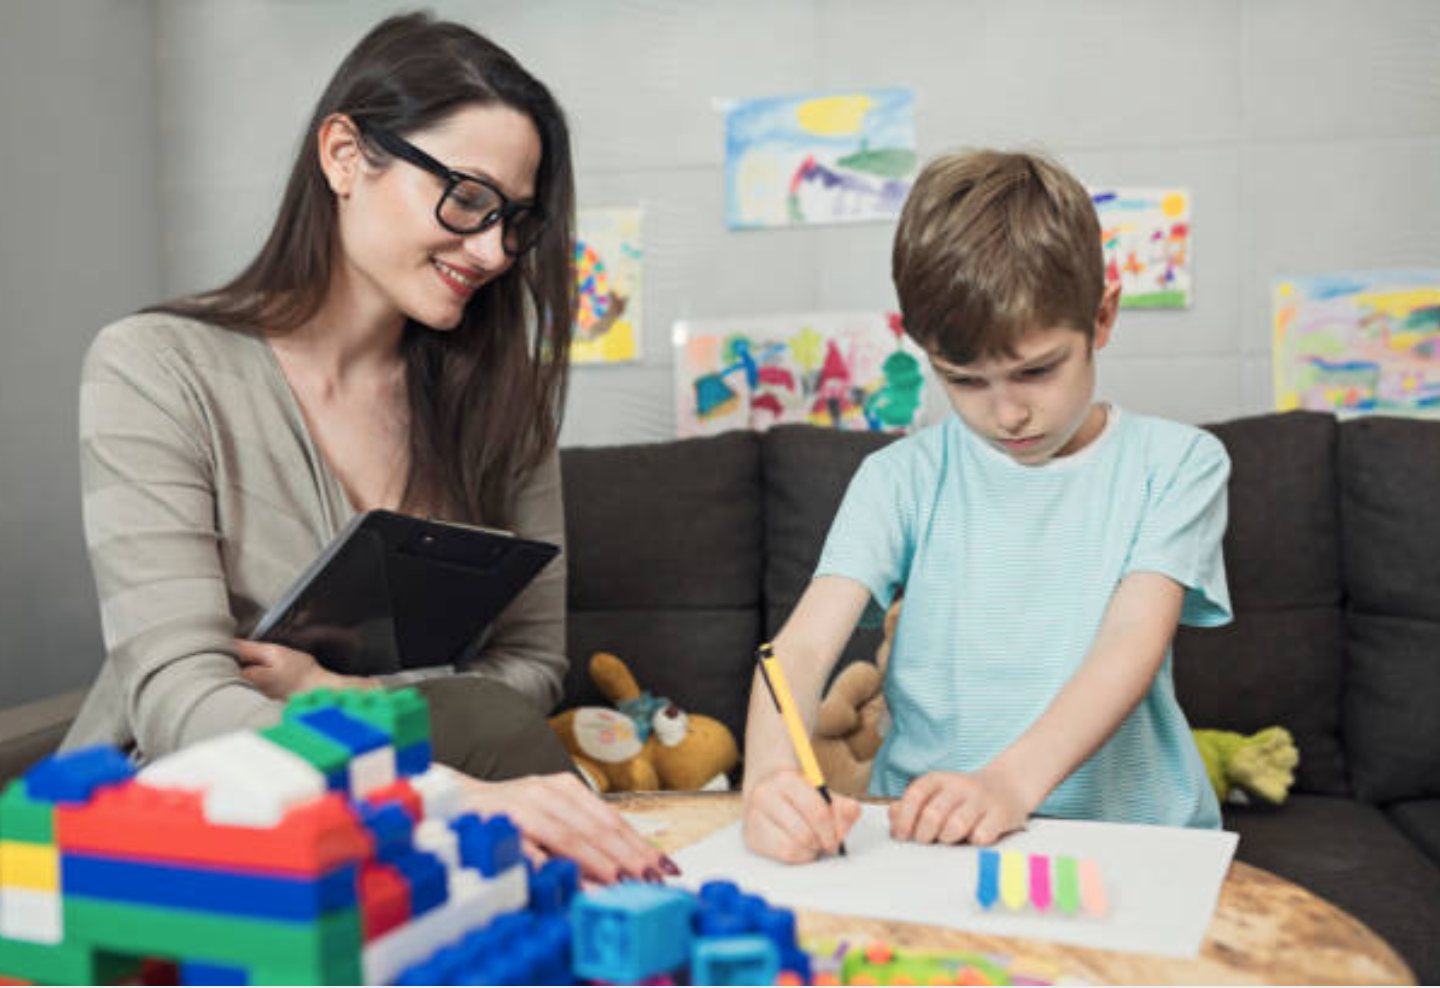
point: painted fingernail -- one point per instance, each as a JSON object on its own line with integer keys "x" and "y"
{"x": 668, "y": 866}
{"x": 624, "y": 876}
{"x": 653, "y": 876}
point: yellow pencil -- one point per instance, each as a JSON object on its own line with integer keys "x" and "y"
{"x": 774, "y": 677}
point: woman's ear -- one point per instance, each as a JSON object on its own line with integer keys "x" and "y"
{"x": 338, "y": 144}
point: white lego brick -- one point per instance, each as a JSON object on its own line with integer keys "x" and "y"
{"x": 247, "y": 780}
{"x": 474, "y": 901}
{"x": 372, "y": 770}
{"x": 436, "y": 837}
{"x": 441, "y": 791}
{"x": 28, "y": 914}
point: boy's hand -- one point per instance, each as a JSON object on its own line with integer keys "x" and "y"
{"x": 787, "y": 819}
{"x": 950, "y": 807}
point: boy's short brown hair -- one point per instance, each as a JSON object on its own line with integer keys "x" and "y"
{"x": 991, "y": 245}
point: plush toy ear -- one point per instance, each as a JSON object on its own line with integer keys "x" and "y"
{"x": 612, "y": 676}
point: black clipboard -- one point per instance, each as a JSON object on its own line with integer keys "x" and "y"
{"x": 394, "y": 592}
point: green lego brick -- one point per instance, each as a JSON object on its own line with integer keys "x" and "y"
{"x": 330, "y": 945}
{"x": 403, "y": 714}
{"x": 64, "y": 964}
{"x": 23, "y": 818}
{"x": 328, "y": 757}
{"x": 918, "y": 968}
{"x": 338, "y": 971}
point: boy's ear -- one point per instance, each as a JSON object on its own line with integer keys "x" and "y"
{"x": 1105, "y": 317}
{"x": 338, "y": 145}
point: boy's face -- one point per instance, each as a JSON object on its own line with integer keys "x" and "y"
{"x": 1037, "y": 406}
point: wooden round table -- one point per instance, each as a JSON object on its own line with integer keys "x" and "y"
{"x": 1266, "y": 930}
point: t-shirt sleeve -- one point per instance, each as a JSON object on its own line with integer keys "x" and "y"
{"x": 1180, "y": 535}
{"x": 870, "y": 540}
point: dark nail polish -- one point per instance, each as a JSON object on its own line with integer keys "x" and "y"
{"x": 668, "y": 866}
{"x": 651, "y": 875}
{"x": 624, "y": 876}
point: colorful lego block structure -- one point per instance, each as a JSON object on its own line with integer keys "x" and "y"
{"x": 329, "y": 850}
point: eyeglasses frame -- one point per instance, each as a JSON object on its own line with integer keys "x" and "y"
{"x": 397, "y": 146}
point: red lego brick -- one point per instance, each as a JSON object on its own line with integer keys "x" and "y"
{"x": 384, "y": 898}
{"x": 399, "y": 791}
{"x": 139, "y": 822}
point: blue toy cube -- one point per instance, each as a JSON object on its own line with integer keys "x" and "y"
{"x": 629, "y": 932}
{"x": 743, "y": 960}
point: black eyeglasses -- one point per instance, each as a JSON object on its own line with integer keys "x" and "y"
{"x": 469, "y": 204}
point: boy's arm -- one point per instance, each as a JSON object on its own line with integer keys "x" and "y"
{"x": 1128, "y": 651}
{"x": 785, "y": 816}
{"x": 807, "y": 647}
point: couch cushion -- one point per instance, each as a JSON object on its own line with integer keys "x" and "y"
{"x": 807, "y": 470}
{"x": 663, "y": 548}
{"x": 1389, "y": 473}
{"x": 1348, "y": 853}
{"x": 1281, "y": 660}
{"x": 1419, "y": 819}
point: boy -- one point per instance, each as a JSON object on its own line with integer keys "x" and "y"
{"x": 1047, "y": 546}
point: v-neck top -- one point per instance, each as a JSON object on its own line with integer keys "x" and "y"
{"x": 205, "y": 496}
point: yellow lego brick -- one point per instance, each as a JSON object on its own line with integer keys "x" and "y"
{"x": 29, "y": 866}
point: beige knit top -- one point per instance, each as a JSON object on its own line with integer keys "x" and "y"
{"x": 204, "y": 499}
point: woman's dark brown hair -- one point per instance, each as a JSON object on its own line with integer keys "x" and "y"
{"x": 485, "y": 397}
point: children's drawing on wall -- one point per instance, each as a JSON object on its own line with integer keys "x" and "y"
{"x": 608, "y": 257}
{"x": 1146, "y": 233}
{"x": 846, "y": 371}
{"x": 1359, "y": 342}
{"x": 840, "y": 158}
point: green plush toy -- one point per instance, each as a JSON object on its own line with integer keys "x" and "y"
{"x": 1260, "y": 765}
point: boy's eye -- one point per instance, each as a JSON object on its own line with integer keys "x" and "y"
{"x": 1034, "y": 372}
{"x": 967, "y": 382}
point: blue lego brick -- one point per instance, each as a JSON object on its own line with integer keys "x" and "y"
{"x": 194, "y": 973}
{"x": 742, "y": 960}
{"x": 492, "y": 845}
{"x": 73, "y": 776}
{"x": 554, "y": 885}
{"x": 211, "y": 889}
{"x": 351, "y": 732}
{"x": 629, "y": 932}
{"x": 391, "y": 828}
{"x": 778, "y": 925}
{"x": 412, "y": 759}
{"x": 425, "y": 874}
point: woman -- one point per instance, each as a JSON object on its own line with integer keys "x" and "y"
{"x": 400, "y": 341}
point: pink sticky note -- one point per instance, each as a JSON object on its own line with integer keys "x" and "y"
{"x": 1092, "y": 889}
{"x": 1040, "y": 881}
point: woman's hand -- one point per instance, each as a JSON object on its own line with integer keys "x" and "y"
{"x": 281, "y": 672}
{"x": 786, "y": 818}
{"x": 950, "y": 807}
{"x": 559, "y": 815}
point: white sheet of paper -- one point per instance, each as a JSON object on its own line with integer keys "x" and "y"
{"x": 1162, "y": 882}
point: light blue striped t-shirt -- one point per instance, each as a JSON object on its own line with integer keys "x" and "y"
{"x": 1007, "y": 570}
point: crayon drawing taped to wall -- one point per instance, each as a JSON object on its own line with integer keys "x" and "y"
{"x": 839, "y": 158}
{"x": 855, "y": 371}
{"x": 1146, "y": 238}
{"x": 1359, "y": 342}
{"x": 608, "y": 270}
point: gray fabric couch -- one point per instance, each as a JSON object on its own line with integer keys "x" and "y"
{"x": 684, "y": 555}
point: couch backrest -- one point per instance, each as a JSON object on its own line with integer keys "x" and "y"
{"x": 1390, "y": 552}
{"x": 1282, "y": 659}
{"x": 664, "y": 543}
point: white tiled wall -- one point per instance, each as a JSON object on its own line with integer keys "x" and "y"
{"x": 1308, "y": 132}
